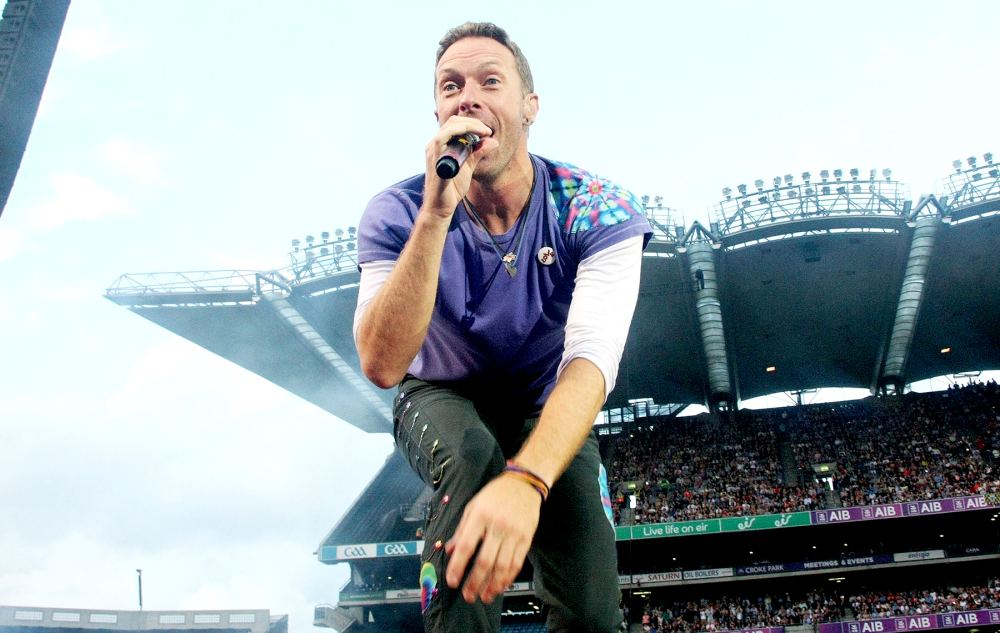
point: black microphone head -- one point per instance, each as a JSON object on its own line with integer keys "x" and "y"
{"x": 447, "y": 167}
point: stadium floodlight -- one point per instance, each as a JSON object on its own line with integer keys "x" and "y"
{"x": 777, "y": 195}
{"x": 324, "y": 250}
{"x": 972, "y": 161}
{"x": 988, "y": 157}
{"x": 788, "y": 180}
{"x": 295, "y": 245}
{"x": 742, "y": 189}
{"x": 826, "y": 190}
{"x": 726, "y": 191}
{"x": 806, "y": 176}
{"x": 854, "y": 173}
{"x": 887, "y": 174}
{"x": 871, "y": 175}
{"x": 645, "y": 200}
{"x": 856, "y": 189}
{"x": 338, "y": 248}
{"x": 762, "y": 199}
{"x": 310, "y": 239}
{"x": 658, "y": 200}
{"x": 777, "y": 182}
{"x": 945, "y": 350}
{"x": 977, "y": 176}
{"x": 339, "y": 233}
{"x": 838, "y": 173}
{"x": 325, "y": 235}
{"x": 746, "y": 203}
{"x": 350, "y": 246}
{"x": 792, "y": 194}
{"x": 957, "y": 164}
{"x": 759, "y": 184}
{"x": 825, "y": 175}
{"x": 771, "y": 369}
{"x": 994, "y": 173}
{"x": 809, "y": 191}
{"x": 841, "y": 190}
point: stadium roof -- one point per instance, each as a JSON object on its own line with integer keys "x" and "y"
{"x": 839, "y": 283}
{"x": 29, "y": 33}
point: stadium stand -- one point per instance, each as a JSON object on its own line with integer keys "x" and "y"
{"x": 885, "y": 451}
{"x": 17, "y": 619}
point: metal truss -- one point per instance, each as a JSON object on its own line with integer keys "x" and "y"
{"x": 208, "y": 281}
{"x": 663, "y": 220}
{"x": 970, "y": 187}
{"x": 786, "y": 202}
{"x": 321, "y": 261}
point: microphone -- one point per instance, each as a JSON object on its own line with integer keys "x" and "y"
{"x": 458, "y": 150}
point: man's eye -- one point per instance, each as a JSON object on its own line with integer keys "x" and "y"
{"x": 448, "y": 87}
{"x": 492, "y": 81}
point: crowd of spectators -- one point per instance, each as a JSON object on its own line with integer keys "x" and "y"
{"x": 884, "y": 450}
{"x": 730, "y": 614}
{"x": 869, "y": 606}
{"x": 814, "y": 607}
{"x": 910, "y": 449}
{"x": 698, "y": 468}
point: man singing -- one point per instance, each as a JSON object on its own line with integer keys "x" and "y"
{"x": 499, "y": 301}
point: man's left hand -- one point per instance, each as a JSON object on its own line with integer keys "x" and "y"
{"x": 501, "y": 520}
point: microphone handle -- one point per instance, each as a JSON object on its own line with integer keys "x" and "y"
{"x": 454, "y": 156}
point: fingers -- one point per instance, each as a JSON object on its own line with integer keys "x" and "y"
{"x": 503, "y": 538}
{"x": 444, "y": 195}
{"x": 508, "y": 563}
{"x": 458, "y": 125}
{"x": 478, "y": 582}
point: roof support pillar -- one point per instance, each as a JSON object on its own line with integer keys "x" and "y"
{"x": 910, "y": 296}
{"x": 701, "y": 266}
{"x": 315, "y": 342}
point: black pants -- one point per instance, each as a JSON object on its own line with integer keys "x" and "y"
{"x": 457, "y": 449}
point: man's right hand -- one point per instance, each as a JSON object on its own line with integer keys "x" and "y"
{"x": 441, "y": 197}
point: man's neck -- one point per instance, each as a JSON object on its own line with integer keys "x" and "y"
{"x": 499, "y": 202}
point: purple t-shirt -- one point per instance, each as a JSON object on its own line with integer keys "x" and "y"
{"x": 500, "y": 339}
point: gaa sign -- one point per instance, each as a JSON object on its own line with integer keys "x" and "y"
{"x": 408, "y": 548}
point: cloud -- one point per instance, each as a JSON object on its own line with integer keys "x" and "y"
{"x": 89, "y": 42}
{"x": 137, "y": 162}
{"x": 77, "y": 197}
{"x": 11, "y": 242}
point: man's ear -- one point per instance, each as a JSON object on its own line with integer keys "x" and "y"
{"x": 530, "y": 108}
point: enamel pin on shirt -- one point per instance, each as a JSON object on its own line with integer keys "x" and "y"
{"x": 546, "y": 255}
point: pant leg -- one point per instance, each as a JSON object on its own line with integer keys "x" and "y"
{"x": 574, "y": 555}
{"x": 446, "y": 442}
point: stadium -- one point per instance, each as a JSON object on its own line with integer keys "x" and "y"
{"x": 817, "y": 511}
{"x": 866, "y": 516}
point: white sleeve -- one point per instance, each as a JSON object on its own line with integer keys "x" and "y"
{"x": 607, "y": 287}
{"x": 373, "y": 276}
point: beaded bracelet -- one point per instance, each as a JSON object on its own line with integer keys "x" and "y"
{"x": 529, "y": 477}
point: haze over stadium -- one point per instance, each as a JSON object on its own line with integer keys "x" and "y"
{"x": 195, "y": 136}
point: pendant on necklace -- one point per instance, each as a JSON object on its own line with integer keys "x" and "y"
{"x": 508, "y": 263}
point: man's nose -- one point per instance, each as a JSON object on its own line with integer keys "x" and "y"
{"x": 470, "y": 98}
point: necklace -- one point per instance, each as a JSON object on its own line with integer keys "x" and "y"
{"x": 508, "y": 259}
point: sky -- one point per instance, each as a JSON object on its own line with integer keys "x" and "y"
{"x": 192, "y": 135}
